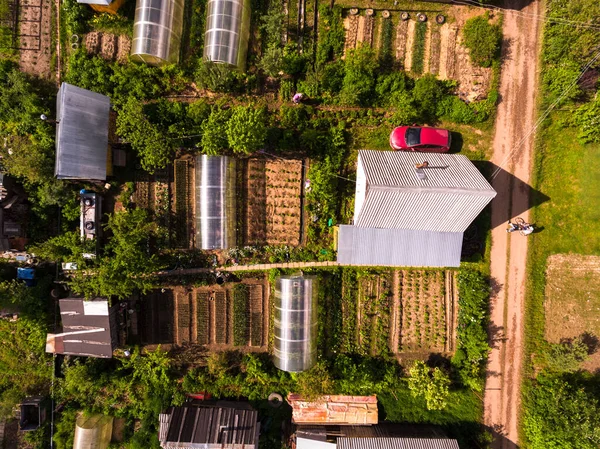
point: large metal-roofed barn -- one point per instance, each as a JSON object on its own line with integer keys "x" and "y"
{"x": 227, "y": 32}
{"x": 81, "y": 133}
{"x": 89, "y": 328}
{"x": 157, "y": 30}
{"x": 215, "y": 202}
{"x": 411, "y": 209}
{"x": 225, "y": 425}
{"x": 295, "y": 323}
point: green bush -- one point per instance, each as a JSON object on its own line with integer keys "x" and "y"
{"x": 471, "y": 355}
{"x": 432, "y": 384}
{"x": 359, "y": 77}
{"x": 567, "y": 356}
{"x": 393, "y": 87}
{"x": 154, "y": 148}
{"x": 558, "y": 79}
{"x": 286, "y": 90}
{"x": 247, "y": 129}
{"x": 562, "y": 412}
{"x": 112, "y": 23}
{"x": 214, "y": 131}
{"x": 331, "y": 34}
{"x": 428, "y": 92}
{"x": 482, "y": 38}
{"x": 587, "y": 117}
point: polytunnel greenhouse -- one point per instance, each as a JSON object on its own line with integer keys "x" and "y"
{"x": 215, "y": 202}
{"x": 157, "y": 30}
{"x": 93, "y": 432}
{"x": 227, "y": 32}
{"x": 295, "y": 324}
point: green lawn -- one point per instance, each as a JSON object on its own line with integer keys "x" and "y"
{"x": 461, "y": 419}
{"x": 568, "y": 173}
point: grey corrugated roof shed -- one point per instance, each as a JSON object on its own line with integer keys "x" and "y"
{"x": 222, "y": 426}
{"x": 390, "y": 194}
{"x": 396, "y": 443}
{"x": 81, "y": 133}
{"x": 398, "y": 247}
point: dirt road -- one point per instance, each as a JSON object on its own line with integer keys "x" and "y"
{"x": 516, "y": 116}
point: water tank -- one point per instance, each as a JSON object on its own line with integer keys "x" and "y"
{"x": 295, "y": 323}
{"x": 157, "y": 30}
{"x": 215, "y": 202}
{"x": 227, "y": 31}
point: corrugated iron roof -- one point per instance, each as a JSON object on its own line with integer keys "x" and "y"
{"x": 447, "y": 199}
{"x": 445, "y": 171}
{"x": 334, "y": 409}
{"x": 396, "y": 443}
{"x": 398, "y": 247}
{"x": 204, "y": 426}
{"x": 81, "y": 133}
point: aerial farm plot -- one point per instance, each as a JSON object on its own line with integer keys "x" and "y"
{"x": 273, "y": 202}
{"x": 409, "y": 313}
{"x": 572, "y": 305}
{"x": 218, "y": 317}
{"x": 421, "y": 47}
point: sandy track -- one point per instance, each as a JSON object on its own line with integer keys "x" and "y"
{"x": 516, "y": 115}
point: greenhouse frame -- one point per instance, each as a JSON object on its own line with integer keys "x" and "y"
{"x": 296, "y": 326}
{"x": 93, "y": 432}
{"x": 157, "y": 31}
{"x": 215, "y": 202}
{"x": 227, "y": 32}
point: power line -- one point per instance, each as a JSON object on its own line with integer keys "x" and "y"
{"x": 538, "y": 17}
{"x": 546, "y": 113}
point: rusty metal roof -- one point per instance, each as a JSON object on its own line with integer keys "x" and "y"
{"x": 335, "y": 409}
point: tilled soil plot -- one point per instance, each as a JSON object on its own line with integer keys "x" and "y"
{"x": 35, "y": 27}
{"x": 109, "y": 46}
{"x": 204, "y": 316}
{"x": 274, "y": 190}
{"x": 424, "y": 317}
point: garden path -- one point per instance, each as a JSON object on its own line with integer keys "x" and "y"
{"x": 513, "y": 152}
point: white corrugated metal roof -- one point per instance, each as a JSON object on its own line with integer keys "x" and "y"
{"x": 396, "y": 443}
{"x": 81, "y": 133}
{"x": 445, "y": 171}
{"x": 448, "y": 199}
{"x": 398, "y": 247}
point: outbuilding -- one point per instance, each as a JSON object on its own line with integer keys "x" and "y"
{"x": 89, "y": 328}
{"x": 411, "y": 209}
{"x": 81, "y": 134}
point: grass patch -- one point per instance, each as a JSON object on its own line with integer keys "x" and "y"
{"x": 461, "y": 419}
{"x": 569, "y": 174}
{"x": 418, "y": 55}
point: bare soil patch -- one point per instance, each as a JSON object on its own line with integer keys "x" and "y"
{"x": 572, "y": 305}
{"x": 425, "y": 315}
{"x": 35, "y": 27}
{"x": 401, "y": 36}
{"x": 273, "y": 195}
{"x": 410, "y": 42}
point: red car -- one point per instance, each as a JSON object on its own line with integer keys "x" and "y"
{"x": 415, "y": 138}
